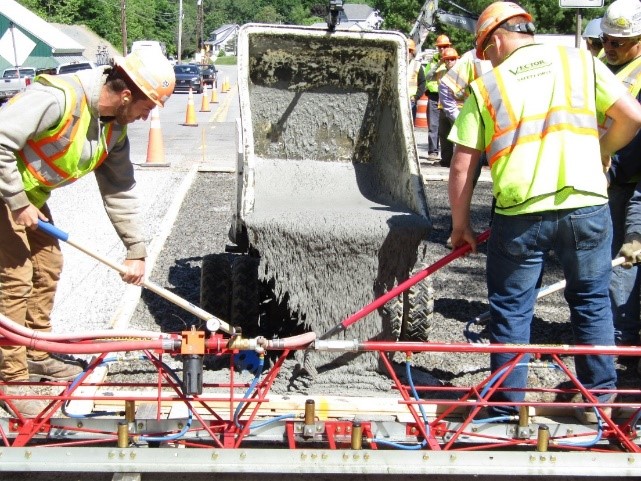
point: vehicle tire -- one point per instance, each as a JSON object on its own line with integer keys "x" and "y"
{"x": 410, "y": 315}
{"x": 245, "y": 295}
{"x": 216, "y": 285}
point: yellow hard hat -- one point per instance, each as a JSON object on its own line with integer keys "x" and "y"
{"x": 492, "y": 17}
{"x": 151, "y": 71}
{"x": 443, "y": 41}
{"x": 411, "y": 45}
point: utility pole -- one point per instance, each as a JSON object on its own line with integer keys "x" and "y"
{"x": 123, "y": 25}
{"x": 180, "y": 29}
{"x": 199, "y": 25}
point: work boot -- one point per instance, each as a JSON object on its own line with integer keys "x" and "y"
{"x": 590, "y": 415}
{"x": 29, "y": 408}
{"x": 54, "y": 368}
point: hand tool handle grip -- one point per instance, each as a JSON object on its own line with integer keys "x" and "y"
{"x": 53, "y": 231}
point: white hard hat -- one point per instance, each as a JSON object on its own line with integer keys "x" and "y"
{"x": 592, "y": 29}
{"x": 622, "y": 19}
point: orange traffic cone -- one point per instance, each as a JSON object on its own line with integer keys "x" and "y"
{"x": 155, "y": 146}
{"x": 421, "y": 113}
{"x": 214, "y": 95}
{"x": 190, "y": 118}
{"x": 204, "y": 104}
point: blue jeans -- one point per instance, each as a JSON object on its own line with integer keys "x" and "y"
{"x": 433, "y": 113}
{"x": 625, "y": 284}
{"x": 581, "y": 239}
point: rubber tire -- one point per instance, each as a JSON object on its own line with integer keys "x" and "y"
{"x": 411, "y": 314}
{"x": 216, "y": 285}
{"x": 245, "y": 295}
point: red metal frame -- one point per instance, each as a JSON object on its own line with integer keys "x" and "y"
{"x": 219, "y": 429}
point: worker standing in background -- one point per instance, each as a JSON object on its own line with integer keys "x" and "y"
{"x": 415, "y": 77}
{"x": 621, "y": 26}
{"x": 592, "y": 36}
{"x": 454, "y": 89}
{"x": 450, "y": 107}
{"x": 433, "y": 73}
{"x": 548, "y": 183}
{"x": 61, "y": 128}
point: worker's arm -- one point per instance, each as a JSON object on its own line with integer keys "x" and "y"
{"x": 460, "y": 189}
{"x": 626, "y": 122}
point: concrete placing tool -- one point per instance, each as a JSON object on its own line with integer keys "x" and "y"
{"x": 213, "y": 323}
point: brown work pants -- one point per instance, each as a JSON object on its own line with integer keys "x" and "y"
{"x": 30, "y": 266}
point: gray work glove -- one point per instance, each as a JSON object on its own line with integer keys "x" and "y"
{"x": 631, "y": 250}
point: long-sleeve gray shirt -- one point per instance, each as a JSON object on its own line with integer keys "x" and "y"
{"x": 41, "y": 107}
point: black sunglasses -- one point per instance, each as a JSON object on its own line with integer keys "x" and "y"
{"x": 595, "y": 43}
{"x": 615, "y": 43}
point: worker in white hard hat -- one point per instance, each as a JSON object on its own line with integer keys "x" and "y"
{"x": 621, "y": 36}
{"x": 61, "y": 128}
{"x": 592, "y": 36}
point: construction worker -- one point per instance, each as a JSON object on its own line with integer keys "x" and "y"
{"x": 61, "y": 128}
{"x": 450, "y": 106}
{"x": 548, "y": 184}
{"x": 433, "y": 73}
{"x": 592, "y": 36}
{"x": 415, "y": 77}
{"x": 621, "y": 27}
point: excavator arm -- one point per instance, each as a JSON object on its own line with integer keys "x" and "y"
{"x": 430, "y": 13}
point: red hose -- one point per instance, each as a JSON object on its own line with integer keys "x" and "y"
{"x": 415, "y": 279}
{"x": 7, "y": 323}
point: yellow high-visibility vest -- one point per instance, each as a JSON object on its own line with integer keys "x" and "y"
{"x": 52, "y": 159}
{"x": 544, "y": 145}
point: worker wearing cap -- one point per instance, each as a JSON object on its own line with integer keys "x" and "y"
{"x": 415, "y": 77}
{"x": 621, "y": 36}
{"x": 592, "y": 36}
{"x": 59, "y": 129}
{"x": 433, "y": 73}
{"x": 546, "y": 161}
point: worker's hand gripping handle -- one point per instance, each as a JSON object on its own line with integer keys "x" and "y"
{"x": 213, "y": 322}
{"x": 53, "y": 231}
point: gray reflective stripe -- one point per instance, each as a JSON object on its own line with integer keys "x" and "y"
{"x": 501, "y": 107}
{"x": 44, "y": 170}
{"x": 537, "y": 127}
{"x": 574, "y": 62}
{"x": 454, "y": 79}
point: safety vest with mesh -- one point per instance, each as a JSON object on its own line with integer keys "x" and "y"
{"x": 53, "y": 158}
{"x": 630, "y": 76}
{"x": 466, "y": 69}
{"x": 432, "y": 85}
{"x": 542, "y": 147}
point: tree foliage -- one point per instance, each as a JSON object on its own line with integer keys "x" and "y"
{"x": 158, "y": 19}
